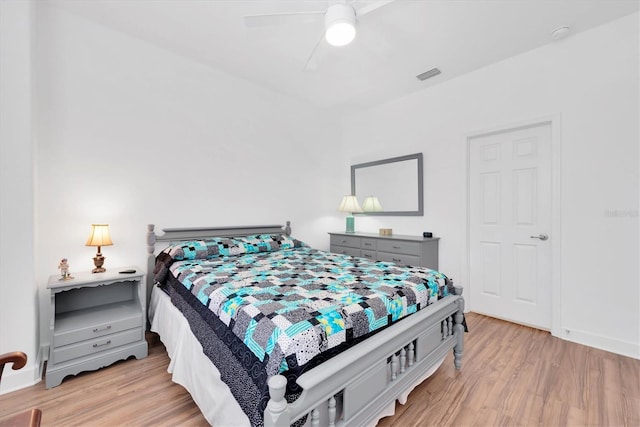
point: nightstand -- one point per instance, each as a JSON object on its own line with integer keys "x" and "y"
{"x": 96, "y": 320}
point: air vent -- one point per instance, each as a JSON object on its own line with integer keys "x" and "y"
{"x": 428, "y": 74}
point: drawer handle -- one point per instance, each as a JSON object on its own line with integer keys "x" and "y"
{"x": 396, "y": 259}
{"x": 397, "y": 247}
{"x": 368, "y": 256}
{"x": 367, "y": 244}
{"x": 343, "y": 241}
{"x": 103, "y": 344}
{"x": 103, "y": 329}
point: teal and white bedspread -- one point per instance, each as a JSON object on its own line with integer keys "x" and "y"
{"x": 290, "y": 305}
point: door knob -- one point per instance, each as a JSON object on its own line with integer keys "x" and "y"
{"x": 540, "y": 236}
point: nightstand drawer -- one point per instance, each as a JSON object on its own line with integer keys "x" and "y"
{"x": 368, "y": 244}
{"x": 349, "y": 241}
{"x": 74, "y": 334}
{"x": 345, "y": 250}
{"x": 93, "y": 322}
{"x": 400, "y": 259}
{"x": 399, "y": 247}
{"x": 68, "y": 352}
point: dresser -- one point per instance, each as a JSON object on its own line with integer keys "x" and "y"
{"x": 96, "y": 319}
{"x": 406, "y": 250}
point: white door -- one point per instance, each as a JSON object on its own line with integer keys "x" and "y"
{"x": 510, "y": 222}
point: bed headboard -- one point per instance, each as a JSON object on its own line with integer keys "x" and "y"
{"x": 177, "y": 234}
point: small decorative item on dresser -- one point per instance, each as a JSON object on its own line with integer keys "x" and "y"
{"x": 64, "y": 270}
{"x": 99, "y": 237}
{"x": 386, "y": 231}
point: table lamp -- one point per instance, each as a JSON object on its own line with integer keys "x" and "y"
{"x": 350, "y": 204}
{"x": 99, "y": 237}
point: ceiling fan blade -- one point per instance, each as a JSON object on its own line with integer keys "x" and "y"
{"x": 311, "y": 64}
{"x": 284, "y": 18}
{"x": 371, "y": 6}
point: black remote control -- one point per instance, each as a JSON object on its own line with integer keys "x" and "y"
{"x": 127, "y": 271}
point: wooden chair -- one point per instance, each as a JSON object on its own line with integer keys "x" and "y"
{"x": 29, "y": 418}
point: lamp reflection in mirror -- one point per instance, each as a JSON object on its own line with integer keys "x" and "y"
{"x": 350, "y": 205}
{"x": 371, "y": 204}
{"x": 99, "y": 237}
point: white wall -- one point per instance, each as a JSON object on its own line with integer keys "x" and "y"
{"x": 18, "y": 288}
{"x": 591, "y": 80}
{"x": 111, "y": 111}
{"x": 131, "y": 134}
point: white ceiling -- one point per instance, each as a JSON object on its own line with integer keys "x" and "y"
{"x": 394, "y": 43}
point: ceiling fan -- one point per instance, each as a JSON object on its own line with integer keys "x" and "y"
{"x": 340, "y": 18}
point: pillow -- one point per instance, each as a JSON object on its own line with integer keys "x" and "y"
{"x": 193, "y": 249}
{"x": 267, "y": 242}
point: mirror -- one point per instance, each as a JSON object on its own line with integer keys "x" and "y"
{"x": 396, "y": 182}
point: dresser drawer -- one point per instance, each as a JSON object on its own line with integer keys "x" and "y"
{"x": 399, "y": 247}
{"x": 370, "y": 255}
{"x": 85, "y": 348}
{"x": 345, "y": 250}
{"x": 400, "y": 259}
{"x": 368, "y": 244}
{"x": 349, "y": 241}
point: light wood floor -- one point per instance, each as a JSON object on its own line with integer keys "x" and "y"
{"x": 512, "y": 375}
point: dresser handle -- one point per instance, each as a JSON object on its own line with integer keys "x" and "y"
{"x": 368, "y": 256}
{"x": 100, "y": 345}
{"x": 103, "y": 329}
{"x": 367, "y": 244}
{"x": 396, "y": 259}
{"x": 343, "y": 241}
{"x": 397, "y": 247}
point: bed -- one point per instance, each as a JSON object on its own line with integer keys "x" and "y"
{"x": 263, "y": 330}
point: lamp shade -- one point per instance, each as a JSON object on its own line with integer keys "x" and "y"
{"x": 349, "y": 204}
{"x": 371, "y": 204}
{"x": 99, "y": 235}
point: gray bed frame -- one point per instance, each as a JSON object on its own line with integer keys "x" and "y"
{"x": 352, "y": 387}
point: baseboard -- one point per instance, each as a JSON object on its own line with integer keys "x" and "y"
{"x": 15, "y": 380}
{"x": 624, "y": 348}
{"x": 601, "y": 342}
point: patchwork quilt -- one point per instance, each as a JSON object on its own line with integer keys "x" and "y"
{"x": 278, "y": 306}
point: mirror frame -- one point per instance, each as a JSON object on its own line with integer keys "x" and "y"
{"x": 418, "y": 157}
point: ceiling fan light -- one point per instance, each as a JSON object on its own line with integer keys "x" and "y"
{"x": 340, "y": 24}
{"x": 340, "y": 34}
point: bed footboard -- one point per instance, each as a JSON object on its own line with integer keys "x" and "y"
{"x": 355, "y": 386}
{"x": 459, "y": 332}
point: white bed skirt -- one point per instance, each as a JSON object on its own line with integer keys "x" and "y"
{"x": 209, "y": 392}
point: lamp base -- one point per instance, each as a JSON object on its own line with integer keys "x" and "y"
{"x": 98, "y": 261}
{"x": 351, "y": 224}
